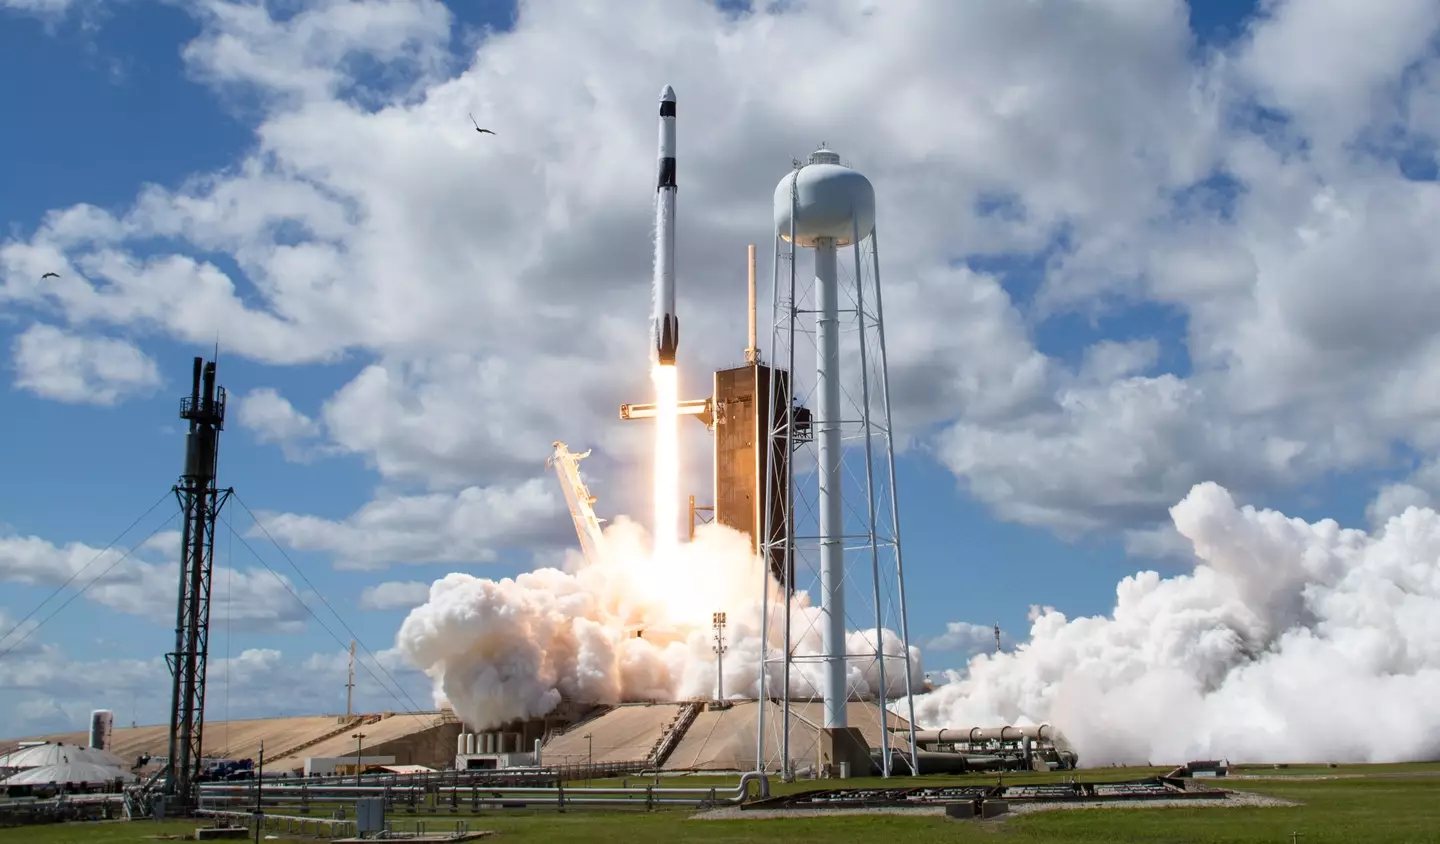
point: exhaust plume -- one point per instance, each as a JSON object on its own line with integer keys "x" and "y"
{"x": 501, "y": 650}
{"x": 1289, "y": 642}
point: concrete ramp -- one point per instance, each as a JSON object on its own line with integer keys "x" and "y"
{"x": 627, "y": 733}
{"x": 724, "y": 740}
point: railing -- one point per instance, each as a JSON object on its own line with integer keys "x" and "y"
{"x": 226, "y": 800}
{"x": 318, "y": 827}
{"x": 672, "y": 734}
{"x": 357, "y": 721}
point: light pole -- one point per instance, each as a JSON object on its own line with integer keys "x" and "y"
{"x": 589, "y": 756}
{"x": 259, "y": 784}
{"x": 718, "y": 619}
{"x": 359, "y": 745}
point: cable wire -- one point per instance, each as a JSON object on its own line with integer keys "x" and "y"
{"x": 122, "y": 558}
{"x": 415, "y": 708}
{"x": 78, "y": 571}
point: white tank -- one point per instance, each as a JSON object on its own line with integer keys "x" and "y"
{"x": 102, "y": 724}
{"x": 470, "y": 743}
{"x": 833, "y": 201}
{"x": 460, "y": 745}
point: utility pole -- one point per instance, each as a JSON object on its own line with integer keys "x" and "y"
{"x": 359, "y": 746}
{"x": 259, "y": 784}
{"x": 350, "y": 683}
{"x": 200, "y": 501}
{"x": 718, "y": 619}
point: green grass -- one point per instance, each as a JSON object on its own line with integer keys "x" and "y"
{"x": 1389, "y": 804}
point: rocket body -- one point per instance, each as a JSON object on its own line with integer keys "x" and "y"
{"x": 666, "y": 324}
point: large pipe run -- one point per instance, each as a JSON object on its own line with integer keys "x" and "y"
{"x": 971, "y": 735}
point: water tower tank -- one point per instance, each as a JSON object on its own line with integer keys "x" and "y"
{"x": 832, "y": 200}
{"x": 102, "y": 724}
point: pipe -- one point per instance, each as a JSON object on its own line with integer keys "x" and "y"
{"x": 751, "y": 353}
{"x": 511, "y": 794}
{"x": 829, "y": 444}
{"x": 1037, "y": 732}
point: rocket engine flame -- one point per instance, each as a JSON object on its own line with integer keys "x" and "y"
{"x": 667, "y": 462}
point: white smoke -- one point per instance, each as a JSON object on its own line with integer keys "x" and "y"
{"x": 1288, "y": 642}
{"x": 499, "y": 650}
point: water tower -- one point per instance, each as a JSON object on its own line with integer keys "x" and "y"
{"x": 844, "y": 522}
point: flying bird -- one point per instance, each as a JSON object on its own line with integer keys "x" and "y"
{"x": 49, "y": 275}
{"x": 477, "y": 127}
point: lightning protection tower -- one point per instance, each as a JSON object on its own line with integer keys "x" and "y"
{"x": 844, "y": 528}
{"x": 200, "y": 503}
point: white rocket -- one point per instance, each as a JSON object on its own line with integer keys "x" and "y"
{"x": 666, "y": 324}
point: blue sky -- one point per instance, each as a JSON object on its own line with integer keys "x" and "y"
{"x": 112, "y": 106}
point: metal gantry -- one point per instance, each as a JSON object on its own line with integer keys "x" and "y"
{"x": 200, "y": 503}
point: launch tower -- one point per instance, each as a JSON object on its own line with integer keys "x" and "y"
{"x": 200, "y": 503}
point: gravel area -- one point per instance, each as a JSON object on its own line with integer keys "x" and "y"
{"x": 731, "y": 813}
{"x": 1236, "y": 799}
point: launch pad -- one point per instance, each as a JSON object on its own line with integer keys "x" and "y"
{"x": 740, "y": 415}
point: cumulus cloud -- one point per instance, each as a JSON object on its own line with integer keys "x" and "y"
{"x": 967, "y": 639}
{"x": 274, "y": 419}
{"x": 472, "y": 526}
{"x": 249, "y": 599}
{"x": 394, "y": 595}
{"x": 56, "y": 364}
{"x": 1240, "y": 658}
{"x": 1041, "y": 168}
{"x": 49, "y": 691}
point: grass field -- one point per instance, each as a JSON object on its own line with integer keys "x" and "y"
{"x": 1379, "y": 804}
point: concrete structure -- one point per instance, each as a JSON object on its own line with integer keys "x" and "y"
{"x": 706, "y": 736}
{"x": 426, "y": 738}
{"x": 321, "y": 766}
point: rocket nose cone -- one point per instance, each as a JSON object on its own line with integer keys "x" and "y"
{"x": 667, "y": 95}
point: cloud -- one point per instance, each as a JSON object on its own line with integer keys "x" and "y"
{"x": 471, "y": 526}
{"x": 966, "y": 639}
{"x": 55, "y": 364}
{"x": 49, "y": 691}
{"x": 247, "y": 599}
{"x": 394, "y": 595}
{"x": 1039, "y": 168}
{"x": 275, "y": 420}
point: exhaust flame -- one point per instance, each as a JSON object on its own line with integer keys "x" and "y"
{"x": 667, "y": 462}
{"x": 629, "y": 626}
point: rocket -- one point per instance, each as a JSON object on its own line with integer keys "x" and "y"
{"x": 666, "y": 327}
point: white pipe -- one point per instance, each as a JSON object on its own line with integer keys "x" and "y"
{"x": 831, "y": 505}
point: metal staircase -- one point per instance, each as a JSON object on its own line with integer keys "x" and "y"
{"x": 357, "y": 721}
{"x": 673, "y": 732}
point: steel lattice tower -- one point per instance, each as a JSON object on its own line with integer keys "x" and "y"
{"x": 200, "y": 503}
{"x": 843, "y": 526}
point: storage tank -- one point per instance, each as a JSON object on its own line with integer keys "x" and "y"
{"x": 102, "y": 724}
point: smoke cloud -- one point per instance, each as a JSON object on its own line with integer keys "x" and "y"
{"x": 1288, "y": 642}
{"x": 499, "y": 650}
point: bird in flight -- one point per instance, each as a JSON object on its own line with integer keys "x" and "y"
{"x": 49, "y": 275}
{"x": 477, "y": 127}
